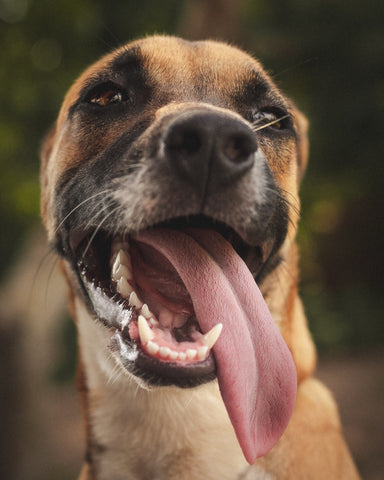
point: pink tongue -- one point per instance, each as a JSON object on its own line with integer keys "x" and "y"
{"x": 255, "y": 370}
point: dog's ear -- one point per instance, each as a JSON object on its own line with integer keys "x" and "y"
{"x": 301, "y": 125}
{"x": 45, "y": 153}
{"x": 47, "y": 145}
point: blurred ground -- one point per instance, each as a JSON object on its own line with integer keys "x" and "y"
{"x": 357, "y": 382}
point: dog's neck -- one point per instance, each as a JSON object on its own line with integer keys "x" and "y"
{"x": 134, "y": 433}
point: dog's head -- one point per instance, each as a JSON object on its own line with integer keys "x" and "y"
{"x": 169, "y": 185}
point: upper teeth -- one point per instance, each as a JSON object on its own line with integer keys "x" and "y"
{"x": 145, "y": 311}
{"x": 121, "y": 267}
{"x": 134, "y": 300}
{"x": 149, "y": 328}
{"x": 123, "y": 287}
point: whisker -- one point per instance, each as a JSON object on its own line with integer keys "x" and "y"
{"x": 79, "y": 205}
{"x": 273, "y": 122}
{"x": 45, "y": 258}
{"x": 97, "y": 229}
{"x": 285, "y": 200}
{"x": 286, "y": 192}
{"x": 98, "y": 213}
{"x": 46, "y": 293}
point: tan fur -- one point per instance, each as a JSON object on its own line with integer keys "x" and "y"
{"x": 169, "y": 433}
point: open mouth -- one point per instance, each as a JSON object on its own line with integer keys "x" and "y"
{"x": 137, "y": 292}
{"x": 182, "y": 307}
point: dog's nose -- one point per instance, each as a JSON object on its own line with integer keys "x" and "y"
{"x": 209, "y": 150}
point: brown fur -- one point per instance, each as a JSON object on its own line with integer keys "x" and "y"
{"x": 312, "y": 446}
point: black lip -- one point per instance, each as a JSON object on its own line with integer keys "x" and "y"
{"x": 156, "y": 372}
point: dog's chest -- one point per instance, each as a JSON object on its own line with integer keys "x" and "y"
{"x": 169, "y": 445}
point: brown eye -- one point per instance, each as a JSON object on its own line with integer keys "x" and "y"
{"x": 106, "y": 95}
{"x": 264, "y": 119}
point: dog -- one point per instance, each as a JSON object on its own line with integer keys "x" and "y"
{"x": 170, "y": 193}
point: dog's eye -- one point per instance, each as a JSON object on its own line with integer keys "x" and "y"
{"x": 264, "y": 119}
{"x": 107, "y": 95}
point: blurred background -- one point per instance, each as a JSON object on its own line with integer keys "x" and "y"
{"x": 328, "y": 56}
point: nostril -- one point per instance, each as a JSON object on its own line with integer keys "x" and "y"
{"x": 238, "y": 147}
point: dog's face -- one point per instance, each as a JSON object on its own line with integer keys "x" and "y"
{"x": 169, "y": 178}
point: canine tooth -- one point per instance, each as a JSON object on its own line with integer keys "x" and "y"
{"x": 152, "y": 347}
{"x": 123, "y": 287}
{"x": 182, "y": 356}
{"x": 173, "y": 355}
{"x": 145, "y": 332}
{"x": 202, "y": 352}
{"x": 164, "y": 352}
{"x": 145, "y": 311}
{"x": 191, "y": 353}
{"x": 134, "y": 300}
{"x": 211, "y": 337}
{"x": 119, "y": 270}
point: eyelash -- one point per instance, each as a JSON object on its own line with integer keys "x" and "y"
{"x": 270, "y": 119}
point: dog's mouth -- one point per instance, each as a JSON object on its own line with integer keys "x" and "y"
{"x": 183, "y": 307}
{"x": 137, "y": 292}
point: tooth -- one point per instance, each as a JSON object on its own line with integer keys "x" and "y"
{"x": 145, "y": 332}
{"x": 153, "y": 322}
{"x": 202, "y": 352}
{"x": 164, "y": 352}
{"x": 191, "y": 353}
{"x": 124, "y": 259}
{"x": 182, "y": 356}
{"x": 210, "y": 338}
{"x": 119, "y": 270}
{"x": 173, "y": 355}
{"x": 134, "y": 300}
{"x": 152, "y": 348}
{"x": 145, "y": 311}
{"x": 123, "y": 287}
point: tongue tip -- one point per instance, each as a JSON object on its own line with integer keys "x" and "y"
{"x": 261, "y": 442}
{"x": 253, "y": 452}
